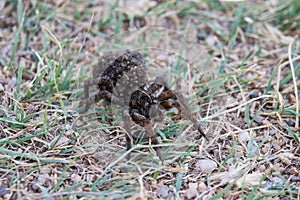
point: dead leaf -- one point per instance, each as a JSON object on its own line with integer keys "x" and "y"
{"x": 286, "y": 158}
{"x": 61, "y": 141}
{"x": 2, "y": 4}
{"x": 176, "y": 169}
{"x": 136, "y": 8}
{"x": 249, "y": 180}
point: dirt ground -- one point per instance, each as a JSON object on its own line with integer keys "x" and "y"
{"x": 238, "y": 66}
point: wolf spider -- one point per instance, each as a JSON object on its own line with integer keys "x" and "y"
{"x": 124, "y": 83}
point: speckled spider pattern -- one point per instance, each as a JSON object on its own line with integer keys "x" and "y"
{"x": 123, "y": 81}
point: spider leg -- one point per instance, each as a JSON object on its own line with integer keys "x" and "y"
{"x": 127, "y": 127}
{"x": 95, "y": 98}
{"x": 169, "y": 99}
{"x": 171, "y": 103}
{"x": 106, "y": 95}
{"x": 144, "y": 122}
{"x": 187, "y": 113}
{"x": 87, "y": 84}
{"x": 156, "y": 113}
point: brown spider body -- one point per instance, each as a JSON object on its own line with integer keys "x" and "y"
{"x": 121, "y": 76}
{"x": 144, "y": 102}
{"x": 123, "y": 81}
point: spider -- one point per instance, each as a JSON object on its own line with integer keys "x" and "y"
{"x": 118, "y": 76}
{"x": 124, "y": 83}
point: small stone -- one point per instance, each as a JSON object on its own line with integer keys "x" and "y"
{"x": 43, "y": 178}
{"x": 262, "y": 168}
{"x": 285, "y": 198}
{"x": 170, "y": 196}
{"x": 276, "y": 146}
{"x": 192, "y": 191}
{"x": 34, "y": 57}
{"x": 30, "y": 178}
{"x": 267, "y": 183}
{"x": 34, "y": 186}
{"x": 253, "y": 95}
{"x": 278, "y": 167}
{"x": 244, "y": 136}
{"x": 294, "y": 171}
{"x": 239, "y": 150}
{"x": 291, "y": 122}
{"x": 163, "y": 191}
{"x": 277, "y": 180}
{"x": 266, "y": 148}
{"x": 258, "y": 119}
{"x": 202, "y": 187}
{"x": 3, "y": 191}
{"x": 12, "y": 82}
{"x": 286, "y": 158}
{"x": 45, "y": 170}
{"x": 75, "y": 178}
{"x": 1, "y": 87}
{"x": 201, "y": 35}
{"x": 295, "y": 178}
{"x": 211, "y": 40}
{"x": 2, "y": 113}
{"x": 91, "y": 177}
{"x": 162, "y": 57}
{"x": 206, "y": 165}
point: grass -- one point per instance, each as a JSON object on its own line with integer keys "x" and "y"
{"x": 48, "y": 150}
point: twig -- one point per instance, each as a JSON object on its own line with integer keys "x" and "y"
{"x": 295, "y": 84}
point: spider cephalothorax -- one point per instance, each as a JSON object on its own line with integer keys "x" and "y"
{"x": 145, "y": 103}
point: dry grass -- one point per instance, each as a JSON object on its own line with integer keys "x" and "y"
{"x": 247, "y": 96}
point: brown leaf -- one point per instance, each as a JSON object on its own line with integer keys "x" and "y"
{"x": 176, "y": 169}
{"x": 61, "y": 141}
{"x": 249, "y": 180}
